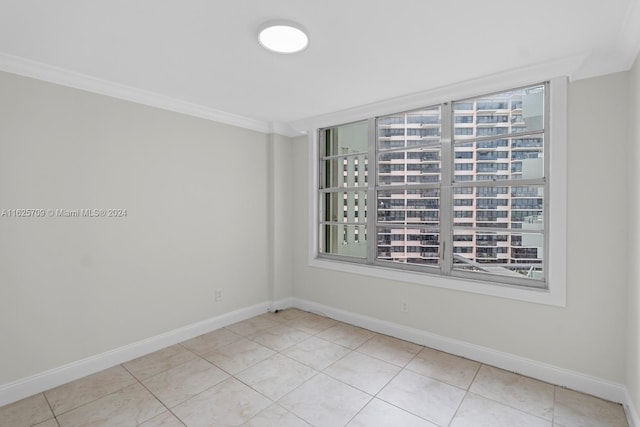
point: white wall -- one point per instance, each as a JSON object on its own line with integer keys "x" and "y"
{"x": 588, "y": 336}
{"x": 281, "y": 203}
{"x": 633, "y": 332}
{"x": 196, "y": 200}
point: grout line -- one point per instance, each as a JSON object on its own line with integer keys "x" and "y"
{"x": 453, "y": 417}
{"x": 553, "y": 408}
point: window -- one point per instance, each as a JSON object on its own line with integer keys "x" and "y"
{"x": 531, "y": 186}
{"x": 408, "y": 192}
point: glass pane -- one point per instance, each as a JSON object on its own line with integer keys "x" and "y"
{"x": 498, "y": 159}
{"x": 420, "y": 206}
{"x": 346, "y": 139}
{"x": 520, "y": 110}
{"x": 348, "y": 240}
{"x": 508, "y": 207}
{"x": 409, "y": 245}
{"x": 344, "y": 206}
{"x": 410, "y": 129}
{"x": 513, "y": 254}
{"x": 351, "y": 171}
{"x": 416, "y": 166}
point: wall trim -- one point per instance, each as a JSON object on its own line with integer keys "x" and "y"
{"x": 20, "y": 389}
{"x": 65, "y": 77}
{"x": 631, "y": 411}
{"x": 545, "y": 372}
{"x": 16, "y": 390}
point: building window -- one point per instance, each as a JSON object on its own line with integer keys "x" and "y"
{"x": 409, "y": 192}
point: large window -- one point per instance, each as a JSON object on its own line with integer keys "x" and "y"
{"x": 458, "y": 189}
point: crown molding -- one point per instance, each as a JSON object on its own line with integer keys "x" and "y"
{"x": 38, "y": 70}
{"x": 629, "y": 36}
{"x": 285, "y": 129}
{"x": 490, "y": 83}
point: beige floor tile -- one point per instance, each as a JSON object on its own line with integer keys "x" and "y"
{"x": 238, "y": 356}
{"x": 183, "y": 382}
{"x": 444, "y": 367}
{"x": 87, "y": 389}
{"x": 288, "y": 314}
{"x": 480, "y": 411}
{"x": 276, "y": 376}
{"x": 311, "y": 323}
{"x": 159, "y": 361}
{"x": 129, "y": 406}
{"x": 276, "y": 416}
{"x": 523, "y": 393}
{"x": 252, "y": 326}
{"x": 574, "y": 409}
{"x": 427, "y": 398}
{"x": 380, "y": 414}
{"x": 316, "y": 353}
{"x": 346, "y": 335}
{"x": 390, "y": 349}
{"x": 25, "y": 412}
{"x": 325, "y": 402}
{"x": 206, "y": 343}
{"x": 279, "y": 338}
{"x": 49, "y": 423}
{"x": 363, "y": 372}
{"x": 229, "y": 403}
{"x": 166, "y": 419}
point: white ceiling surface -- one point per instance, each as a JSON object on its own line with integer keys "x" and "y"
{"x": 204, "y": 53}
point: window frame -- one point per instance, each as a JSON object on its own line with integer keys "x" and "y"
{"x": 555, "y": 198}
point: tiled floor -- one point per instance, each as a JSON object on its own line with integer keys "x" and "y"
{"x": 298, "y": 369}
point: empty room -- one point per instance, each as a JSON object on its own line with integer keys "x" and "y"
{"x": 337, "y": 213}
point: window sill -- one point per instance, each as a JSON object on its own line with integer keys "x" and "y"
{"x": 555, "y": 295}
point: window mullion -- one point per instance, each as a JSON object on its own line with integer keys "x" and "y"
{"x": 446, "y": 202}
{"x": 372, "y": 197}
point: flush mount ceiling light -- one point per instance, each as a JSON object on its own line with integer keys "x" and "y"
{"x": 282, "y": 37}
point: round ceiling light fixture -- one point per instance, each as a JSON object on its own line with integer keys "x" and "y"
{"x": 283, "y": 37}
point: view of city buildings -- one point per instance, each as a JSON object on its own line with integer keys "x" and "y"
{"x": 494, "y": 185}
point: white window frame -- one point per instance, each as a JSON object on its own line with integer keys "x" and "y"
{"x": 556, "y": 149}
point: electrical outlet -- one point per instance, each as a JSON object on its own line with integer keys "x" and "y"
{"x": 404, "y": 306}
{"x": 218, "y": 294}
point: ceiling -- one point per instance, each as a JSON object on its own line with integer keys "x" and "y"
{"x": 202, "y": 56}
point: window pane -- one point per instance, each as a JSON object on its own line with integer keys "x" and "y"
{"x": 513, "y": 254}
{"x": 416, "y": 166}
{"x": 410, "y": 129}
{"x": 508, "y": 207}
{"x": 347, "y": 240}
{"x": 351, "y": 171}
{"x": 409, "y": 245}
{"x": 344, "y": 206}
{"x": 499, "y": 159}
{"x": 520, "y": 110}
{"x": 345, "y": 139}
{"x": 420, "y": 206}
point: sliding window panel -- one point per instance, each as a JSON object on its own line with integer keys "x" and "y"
{"x": 517, "y": 111}
{"x": 344, "y": 206}
{"x": 351, "y": 138}
{"x": 344, "y": 240}
{"x": 409, "y": 129}
{"x": 510, "y": 254}
{"x": 345, "y": 172}
{"x": 408, "y": 245}
{"x": 499, "y": 159}
{"x": 412, "y": 167}
{"x": 409, "y": 206}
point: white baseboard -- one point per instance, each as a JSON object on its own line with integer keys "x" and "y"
{"x": 29, "y": 386}
{"x": 281, "y": 304}
{"x": 34, "y": 384}
{"x": 631, "y": 411}
{"x": 542, "y": 371}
